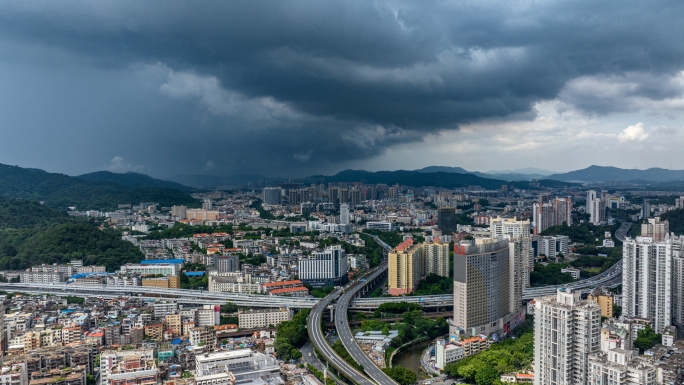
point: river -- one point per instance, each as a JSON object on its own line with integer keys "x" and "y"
{"x": 409, "y": 357}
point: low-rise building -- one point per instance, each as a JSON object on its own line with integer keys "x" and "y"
{"x": 122, "y": 367}
{"x": 169, "y": 282}
{"x": 251, "y": 319}
{"x": 291, "y": 292}
{"x": 446, "y": 353}
{"x": 244, "y": 364}
{"x": 203, "y": 336}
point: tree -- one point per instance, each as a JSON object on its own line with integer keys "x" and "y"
{"x": 295, "y": 354}
{"x": 647, "y": 338}
{"x": 486, "y": 376}
{"x": 401, "y": 375}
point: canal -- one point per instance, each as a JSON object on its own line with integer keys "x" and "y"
{"x": 409, "y": 357}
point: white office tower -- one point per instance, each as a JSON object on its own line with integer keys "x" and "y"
{"x": 646, "y": 280}
{"x": 596, "y": 207}
{"x": 344, "y": 216}
{"x": 325, "y": 268}
{"x": 520, "y": 248}
{"x": 591, "y": 196}
{"x": 656, "y": 229}
{"x": 272, "y": 195}
{"x": 566, "y": 331}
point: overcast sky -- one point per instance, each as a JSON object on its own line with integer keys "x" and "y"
{"x": 293, "y": 88}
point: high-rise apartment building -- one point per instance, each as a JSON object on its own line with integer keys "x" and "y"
{"x": 179, "y": 212}
{"x": 408, "y": 262}
{"x": 355, "y": 196}
{"x": 404, "y": 267}
{"x": 520, "y": 247}
{"x": 647, "y": 280}
{"x": 556, "y": 212}
{"x": 446, "y": 219}
{"x": 227, "y": 263}
{"x": 678, "y": 283}
{"x": 436, "y": 258}
{"x": 656, "y": 229}
{"x": 482, "y": 287}
{"x": 272, "y": 195}
{"x": 566, "y": 331}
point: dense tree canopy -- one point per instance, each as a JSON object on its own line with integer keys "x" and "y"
{"x": 291, "y": 335}
{"x": 507, "y": 356}
{"x": 676, "y": 219}
{"x": 647, "y": 338}
{"x": 31, "y": 234}
{"x": 401, "y": 375}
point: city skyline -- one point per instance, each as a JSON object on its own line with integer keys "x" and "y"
{"x": 231, "y": 89}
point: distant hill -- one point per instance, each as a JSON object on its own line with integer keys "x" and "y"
{"x": 526, "y": 170}
{"x": 133, "y": 180}
{"x": 615, "y": 174}
{"x": 502, "y": 176}
{"x": 422, "y": 179}
{"x": 22, "y": 213}
{"x": 457, "y": 170}
{"x": 62, "y": 191}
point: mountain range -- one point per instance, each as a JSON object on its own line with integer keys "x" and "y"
{"x": 615, "y": 174}
{"x": 507, "y": 176}
{"x": 134, "y": 180}
{"x": 435, "y": 179}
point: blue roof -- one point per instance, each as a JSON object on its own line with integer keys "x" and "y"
{"x": 81, "y": 275}
{"x": 158, "y": 261}
{"x": 194, "y": 273}
{"x": 177, "y": 341}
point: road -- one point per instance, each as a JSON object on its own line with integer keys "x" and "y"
{"x": 309, "y": 356}
{"x": 318, "y": 340}
{"x": 347, "y": 338}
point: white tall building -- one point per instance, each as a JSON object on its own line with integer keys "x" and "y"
{"x": 647, "y": 280}
{"x": 325, "y": 268}
{"x": 566, "y": 331}
{"x": 591, "y": 196}
{"x": 596, "y": 207}
{"x": 520, "y": 247}
{"x": 344, "y": 214}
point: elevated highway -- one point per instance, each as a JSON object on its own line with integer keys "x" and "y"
{"x": 345, "y": 334}
{"x": 314, "y": 327}
{"x": 609, "y": 278}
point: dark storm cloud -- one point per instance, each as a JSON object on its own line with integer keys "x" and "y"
{"x": 279, "y": 86}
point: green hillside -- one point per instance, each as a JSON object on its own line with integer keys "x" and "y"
{"x": 62, "y": 191}
{"x": 676, "y": 219}
{"x": 32, "y": 234}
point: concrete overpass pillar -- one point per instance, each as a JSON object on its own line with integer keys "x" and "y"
{"x": 332, "y": 314}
